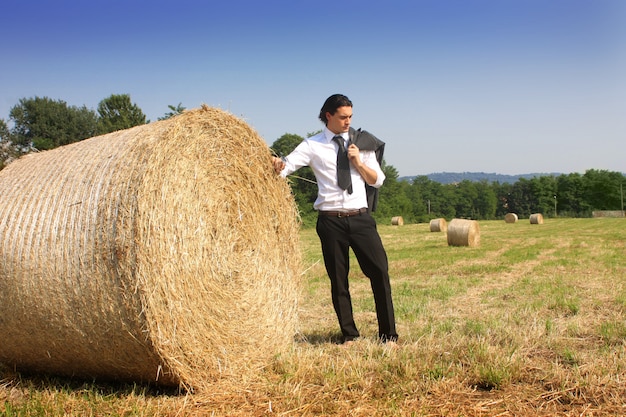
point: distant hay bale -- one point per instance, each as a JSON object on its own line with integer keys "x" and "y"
{"x": 536, "y": 218}
{"x": 165, "y": 253}
{"x": 438, "y": 225}
{"x": 510, "y": 218}
{"x": 397, "y": 221}
{"x": 463, "y": 232}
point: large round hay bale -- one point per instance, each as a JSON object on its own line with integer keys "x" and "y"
{"x": 510, "y": 218}
{"x": 397, "y": 221}
{"x": 462, "y": 232}
{"x": 438, "y": 225}
{"x": 167, "y": 252}
{"x": 536, "y": 218}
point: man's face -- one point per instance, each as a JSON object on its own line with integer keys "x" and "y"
{"x": 340, "y": 121}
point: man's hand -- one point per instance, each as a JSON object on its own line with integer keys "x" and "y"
{"x": 368, "y": 174}
{"x": 353, "y": 155}
{"x": 278, "y": 163}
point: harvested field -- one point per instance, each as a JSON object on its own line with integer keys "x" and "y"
{"x": 531, "y": 323}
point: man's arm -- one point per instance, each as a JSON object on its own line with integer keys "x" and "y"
{"x": 370, "y": 176}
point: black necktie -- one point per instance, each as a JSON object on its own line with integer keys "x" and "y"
{"x": 343, "y": 166}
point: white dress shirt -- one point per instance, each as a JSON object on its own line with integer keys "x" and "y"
{"x": 320, "y": 153}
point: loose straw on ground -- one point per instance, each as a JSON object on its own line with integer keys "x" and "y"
{"x": 164, "y": 253}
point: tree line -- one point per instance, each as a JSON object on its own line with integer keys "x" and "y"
{"x": 42, "y": 123}
{"x": 421, "y": 199}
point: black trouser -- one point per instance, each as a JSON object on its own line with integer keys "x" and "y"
{"x": 337, "y": 235}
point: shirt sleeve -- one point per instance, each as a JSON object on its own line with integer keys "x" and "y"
{"x": 297, "y": 159}
{"x": 369, "y": 159}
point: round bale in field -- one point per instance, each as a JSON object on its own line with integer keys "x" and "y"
{"x": 536, "y": 218}
{"x": 510, "y": 218}
{"x": 165, "y": 253}
{"x": 438, "y": 225}
{"x": 397, "y": 221}
{"x": 462, "y": 232}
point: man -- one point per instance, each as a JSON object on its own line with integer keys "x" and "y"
{"x": 343, "y": 219}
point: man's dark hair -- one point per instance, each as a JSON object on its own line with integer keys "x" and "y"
{"x": 331, "y": 105}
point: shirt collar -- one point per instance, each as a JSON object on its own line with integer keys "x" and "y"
{"x": 330, "y": 135}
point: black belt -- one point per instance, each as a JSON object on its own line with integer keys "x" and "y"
{"x": 345, "y": 213}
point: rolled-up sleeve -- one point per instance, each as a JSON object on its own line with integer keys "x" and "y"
{"x": 369, "y": 159}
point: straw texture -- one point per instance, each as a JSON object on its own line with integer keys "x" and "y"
{"x": 536, "y": 218}
{"x": 462, "y": 232}
{"x": 438, "y": 225}
{"x": 167, "y": 252}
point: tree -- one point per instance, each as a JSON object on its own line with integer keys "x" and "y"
{"x": 520, "y": 199}
{"x": 174, "y": 111}
{"x": 5, "y": 134}
{"x": 466, "y": 195}
{"x": 393, "y": 199}
{"x": 44, "y": 123}
{"x": 602, "y": 189}
{"x": 437, "y": 199}
{"x": 303, "y": 184}
{"x": 117, "y": 112}
{"x": 486, "y": 202}
{"x": 544, "y": 191}
{"x": 418, "y": 207}
{"x": 503, "y": 194}
{"x": 8, "y": 150}
{"x": 285, "y": 144}
{"x": 570, "y": 196}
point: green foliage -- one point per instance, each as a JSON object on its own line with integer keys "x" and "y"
{"x": 568, "y": 357}
{"x": 492, "y": 376}
{"x": 423, "y": 199}
{"x": 545, "y": 191}
{"x": 117, "y": 112}
{"x": 41, "y": 123}
{"x": 4, "y": 131}
{"x": 8, "y": 150}
{"x": 436, "y": 199}
{"x": 601, "y": 189}
{"x": 570, "y": 195}
{"x": 174, "y": 111}
{"x": 44, "y": 123}
{"x": 613, "y": 332}
{"x": 521, "y": 200}
{"x": 302, "y": 182}
{"x": 393, "y": 197}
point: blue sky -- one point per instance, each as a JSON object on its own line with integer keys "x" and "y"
{"x": 506, "y": 86}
